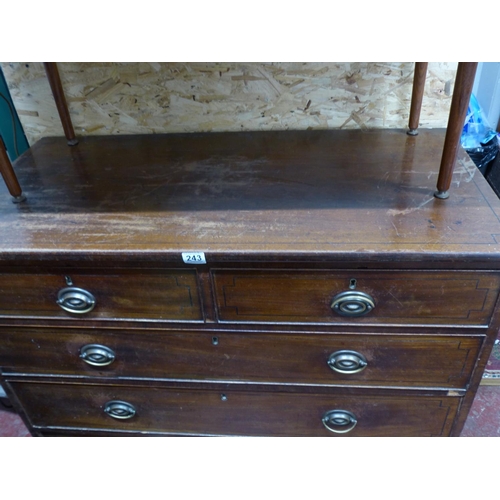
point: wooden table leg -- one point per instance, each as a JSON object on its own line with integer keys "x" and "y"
{"x": 460, "y": 102}
{"x": 416, "y": 96}
{"x": 9, "y": 175}
{"x": 62, "y": 107}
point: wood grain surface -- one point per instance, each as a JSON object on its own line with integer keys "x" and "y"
{"x": 365, "y": 195}
{"x": 109, "y": 98}
{"x": 170, "y": 295}
{"x": 393, "y": 360}
{"x": 289, "y": 296}
{"x": 232, "y": 412}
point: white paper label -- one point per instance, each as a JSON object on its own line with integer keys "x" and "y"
{"x": 194, "y": 257}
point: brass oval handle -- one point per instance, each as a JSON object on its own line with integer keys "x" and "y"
{"x": 97, "y": 355}
{"x": 352, "y": 303}
{"x": 339, "y": 421}
{"x": 75, "y": 300}
{"x": 347, "y": 362}
{"x": 121, "y": 410}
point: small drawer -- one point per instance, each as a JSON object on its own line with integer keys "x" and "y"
{"x": 344, "y": 359}
{"x": 361, "y": 297}
{"x": 167, "y": 295}
{"x": 232, "y": 412}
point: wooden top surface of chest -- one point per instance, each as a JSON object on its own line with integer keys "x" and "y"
{"x": 250, "y": 196}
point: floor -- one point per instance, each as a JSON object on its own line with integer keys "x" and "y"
{"x": 11, "y": 425}
{"x": 483, "y": 420}
{"x": 484, "y": 417}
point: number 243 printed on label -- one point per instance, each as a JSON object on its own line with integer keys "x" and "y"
{"x": 194, "y": 257}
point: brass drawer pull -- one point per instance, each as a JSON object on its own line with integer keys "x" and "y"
{"x": 347, "y": 362}
{"x": 75, "y": 300}
{"x": 339, "y": 421}
{"x": 120, "y": 410}
{"x": 352, "y": 303}
{"x": 97, "y": 355}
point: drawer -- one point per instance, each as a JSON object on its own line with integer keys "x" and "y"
{"x": 378, "y": 297}
{"x": 168, "y": 295}
{"x": 232, "y": 412}
{"x": 343, "y": 359}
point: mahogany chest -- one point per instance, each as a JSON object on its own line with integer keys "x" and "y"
{"x": 277, "y": 284}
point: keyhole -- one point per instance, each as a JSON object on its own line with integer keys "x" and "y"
{"x": 69, "y": 281}
{"x": 352, "y": 284}
{"x": 215, "y": 340}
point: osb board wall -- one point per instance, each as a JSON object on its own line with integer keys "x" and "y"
{"x": 139, "y": 98}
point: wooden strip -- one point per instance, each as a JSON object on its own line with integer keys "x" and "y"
{"x": 490, "y": 381}
{"x": 459, "y": 104}
{"x": 417, "y": 96}
{"x": 9, "y": 175}
{"x": 62, "y": 107}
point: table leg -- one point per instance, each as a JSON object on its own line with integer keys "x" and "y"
{"x": 416, "y": 96}
{"x": 62, "y": 107}
{"x": 9, "y": 175}
{"x": 458, "y": 111}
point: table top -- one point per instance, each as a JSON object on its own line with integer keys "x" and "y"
{"x": 297, "y": 195}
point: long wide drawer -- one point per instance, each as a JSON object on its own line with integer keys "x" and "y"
{"x": 131, "y": 295}
{"x": 378, "y": 297}
{"x": 231, "y": 412}
{"x": 341, "y": 359}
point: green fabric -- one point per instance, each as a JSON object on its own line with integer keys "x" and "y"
{"x": 11, "y": 130}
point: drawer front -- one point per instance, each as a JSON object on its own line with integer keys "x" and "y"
{"x": 212, "y": 412}
{"x": 346, "y": 359}
{"x": 440, "y": 298}
{"x": 164, "y": 295}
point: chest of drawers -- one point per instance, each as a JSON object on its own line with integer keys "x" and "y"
{"x": 337, "y": 295}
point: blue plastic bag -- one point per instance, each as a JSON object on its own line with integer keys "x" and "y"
{"x": 478, "y": 139}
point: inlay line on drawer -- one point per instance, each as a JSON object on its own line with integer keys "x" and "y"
{"x": 167, "y": 295}
{"x": 433, "y": 361}
{"x": 377, "y": 297}
{"x": 232, "y": 412}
